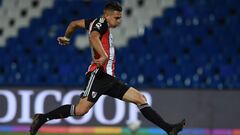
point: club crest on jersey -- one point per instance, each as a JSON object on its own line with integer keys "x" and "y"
{"x": 94, "y": 94}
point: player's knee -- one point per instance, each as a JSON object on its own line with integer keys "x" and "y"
{"x": 81, "y": 111}
{"x": 141, "y": 99}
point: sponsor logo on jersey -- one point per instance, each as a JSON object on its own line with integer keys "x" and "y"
{"x": 99, "y": 24}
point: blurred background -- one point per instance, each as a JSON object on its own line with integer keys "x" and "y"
{"x": 184, "y": 55}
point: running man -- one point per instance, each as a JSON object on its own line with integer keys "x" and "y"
{"x": 100, "y": 75}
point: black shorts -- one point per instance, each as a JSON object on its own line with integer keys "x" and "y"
{"x": 100, "y": 83}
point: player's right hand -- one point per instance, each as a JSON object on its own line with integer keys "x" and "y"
{"x": 100, "y": 61}
{"x": 63, "y": 40}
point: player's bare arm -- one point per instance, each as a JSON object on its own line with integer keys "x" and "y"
{"x": 95, "y": 42}
{"x": 70, "y": 30}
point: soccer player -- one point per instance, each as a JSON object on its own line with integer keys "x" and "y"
{"x": 100, "y": 75}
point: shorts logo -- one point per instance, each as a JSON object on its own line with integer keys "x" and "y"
{"x": 94, "y": 94}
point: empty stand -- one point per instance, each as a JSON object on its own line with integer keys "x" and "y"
{"x": 194, "y": 44}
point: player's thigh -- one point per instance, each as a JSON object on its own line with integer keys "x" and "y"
{"x": 134, "y": 96}
{"x": 117, "y": 88}
{"x": 83, "y": 106}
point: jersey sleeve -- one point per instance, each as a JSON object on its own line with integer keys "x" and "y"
{"x": 100, "y": 25}
{"x": 87, "y": 23}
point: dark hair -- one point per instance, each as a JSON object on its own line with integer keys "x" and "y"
{"x": 114, "y": 6}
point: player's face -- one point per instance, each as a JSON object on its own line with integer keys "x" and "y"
{"x": 115, "y": 19}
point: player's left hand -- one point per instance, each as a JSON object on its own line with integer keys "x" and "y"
{"x": 63, "y": 40}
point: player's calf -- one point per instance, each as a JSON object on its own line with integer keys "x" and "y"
{"x": 154, "y": 117}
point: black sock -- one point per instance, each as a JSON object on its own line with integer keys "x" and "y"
{"x": 155, "y": 118}
{"x": 61, "y": 112}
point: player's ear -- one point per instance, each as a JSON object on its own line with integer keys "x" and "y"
{"x": 107, "y": 14}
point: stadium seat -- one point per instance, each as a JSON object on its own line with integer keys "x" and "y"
{"x": 194, "y": 44}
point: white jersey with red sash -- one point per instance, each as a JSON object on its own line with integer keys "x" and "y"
{"x": 100, "y": 25}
